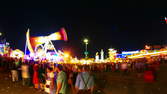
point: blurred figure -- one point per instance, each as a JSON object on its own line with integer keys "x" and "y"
{"x": 72, "y": 79}
{"x": 18, "y": 66}
{"x": 14, "y": 73}
{"x": 25, "y": 74}
{"x": 84, "y": 82}
{"x": 149, "y": 76}
{"x": 41, "y": 76}
{"x": 49, "y": 86}
{"x": 124, "y": 68}
{"x": 35, "y": 76}
{"x": 149, "y": 79}
{"x": 61, "y": 80}
{"x": 31, "y": 72}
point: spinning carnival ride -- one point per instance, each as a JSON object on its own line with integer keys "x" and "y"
{"x": 38, "y": 46}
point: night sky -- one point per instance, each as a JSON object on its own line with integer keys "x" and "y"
{"x": 121, "y": 25}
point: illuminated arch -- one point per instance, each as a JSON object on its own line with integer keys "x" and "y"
{"x": 40, "y": 45}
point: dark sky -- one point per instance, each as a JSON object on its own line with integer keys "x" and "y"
{"x": 123, "y": 25}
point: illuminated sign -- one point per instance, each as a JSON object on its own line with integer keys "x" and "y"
{"x": 130, "y": 52}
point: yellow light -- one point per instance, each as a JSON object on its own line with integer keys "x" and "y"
{"x": 41, "y": 40}
{"x": 54, "y": 36}
{"x": 86, "y": 41}
{"x": 28, "y": 41}
{"x": 145, "y": 54}
{"x": 66, "y": 55}
{"x": 17, "y": 54}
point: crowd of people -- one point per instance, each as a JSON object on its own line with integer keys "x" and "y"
{"x": 50, "y": 77}
{"x": 56, "y": 78}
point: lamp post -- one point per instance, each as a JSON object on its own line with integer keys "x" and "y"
{"x": 86, "y": 47}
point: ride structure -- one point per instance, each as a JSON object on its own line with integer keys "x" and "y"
{"x": 38, "y": 46}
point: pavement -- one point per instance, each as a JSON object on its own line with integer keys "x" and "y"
{"x": 9, "y": 87}
{"x": 132, "y": 83}
{"x": 106, "y": 83}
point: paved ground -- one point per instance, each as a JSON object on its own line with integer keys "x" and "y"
{"x": 8, "y": 87}
{"x": 107, "y": 83}
{"x": 133, "y": 83}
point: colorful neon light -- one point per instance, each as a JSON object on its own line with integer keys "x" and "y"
{"x": 153, "y": 53}
{"x": 32, "y": 42}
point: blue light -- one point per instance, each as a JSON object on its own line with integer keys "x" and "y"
{"x": 121, "y": 56}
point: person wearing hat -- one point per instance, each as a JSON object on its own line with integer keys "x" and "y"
{"x": 61, "y": 80}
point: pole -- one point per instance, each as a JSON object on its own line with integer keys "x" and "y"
{"x": 86, "y": 48}
{"x": 25, "y": 49}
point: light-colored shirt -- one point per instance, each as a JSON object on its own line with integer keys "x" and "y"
{"x": 50, "y": 76}
{"x": 85, "y": 79}
{"x": 62, "y": 78}
{"x": 25, "y": 71}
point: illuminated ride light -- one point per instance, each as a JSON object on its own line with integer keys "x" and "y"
{"x": 17, "y": 54}
{"x": 33, "y": 42}
{"x": 166, "y": 20}
{"x": 44, "y": 43}
{"x": 130, "y": 52}
{"x": 146, "y": 54}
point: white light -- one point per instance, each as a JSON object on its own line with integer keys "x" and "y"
{"x": 130, "y": 52}
{"x": 32, "y": 55}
